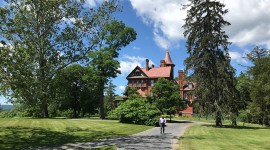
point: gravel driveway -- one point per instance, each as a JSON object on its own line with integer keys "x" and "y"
{"x": 148, "y": 140}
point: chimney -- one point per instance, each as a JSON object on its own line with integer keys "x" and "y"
{"x": 147, "y": 65}
{"x": 162, "y": 63}
{"x": 153, "y": 66}
{"x": 181, "y": 75}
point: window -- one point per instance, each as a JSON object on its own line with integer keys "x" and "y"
{"x": 137, "y": 84}
{"x": 152, "y": 82}
{"x": 190, "y": 85}
{"x": 142, "y": 83}
{"x": 132, "y": 83}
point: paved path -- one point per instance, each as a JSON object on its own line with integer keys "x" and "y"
{"x": 148, "y": 140}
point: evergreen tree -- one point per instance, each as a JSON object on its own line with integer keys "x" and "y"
{"x": 260, "y": 85}
{"x": 110, "y": 96}
{"x": 209, "y": 61}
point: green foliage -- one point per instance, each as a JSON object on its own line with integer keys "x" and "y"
{"x": 68, "y": 113}
{"x": 42, "y": 37}
{"x": 21, "y": 111}
{"x": 114, "y": 36}
{"x": 260, "y": 90}
{"x": 132, "y": 93}
{"x": 73, "y": 91}
{"x": 209, "y": 61}
{"x": 109, "y": 97}
{"x": 166, "y": 95}
{"x": 136, "y": 111}
{"x": 243, "y": 86}
{"x": 245, "y": 116}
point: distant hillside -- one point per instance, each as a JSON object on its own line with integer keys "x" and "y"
{"x": 7, "y": 107}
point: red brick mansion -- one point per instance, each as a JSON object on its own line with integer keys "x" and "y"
{"x": 143, "y": 80}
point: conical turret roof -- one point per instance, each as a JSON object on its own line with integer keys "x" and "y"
{"x": 167, "y": 58}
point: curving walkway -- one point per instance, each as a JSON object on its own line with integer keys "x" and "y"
{"x": 148, "y": 140}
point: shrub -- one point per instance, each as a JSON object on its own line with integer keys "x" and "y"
{"x": 66, "y": 113}
{"x": 136, "y": 111}
{"x": 245, "y": 116}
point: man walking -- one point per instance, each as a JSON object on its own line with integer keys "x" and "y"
{"x": 162, "y": 122}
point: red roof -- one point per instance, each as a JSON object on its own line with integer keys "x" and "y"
{"x": 158, "y": 72}
{"x": 167, "y": 58}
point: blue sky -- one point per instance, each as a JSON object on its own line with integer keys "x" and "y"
{"x": 158, "y": 24}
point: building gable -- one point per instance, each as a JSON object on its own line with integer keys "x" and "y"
{"x": 137, "y": 73}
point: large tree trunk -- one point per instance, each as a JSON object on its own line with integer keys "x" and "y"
{"x": 44, "y": 112}
{"x": 218, "y": 119}
{"x": 101, "y": 100}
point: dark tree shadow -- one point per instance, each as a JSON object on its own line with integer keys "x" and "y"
{"x": 30, "y": 138}
{"x": 181, "y": 121}
{"x": 237, "y": 127}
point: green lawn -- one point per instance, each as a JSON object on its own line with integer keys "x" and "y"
{"x": 26, "y": 133}
{"x": 252, "y": 137}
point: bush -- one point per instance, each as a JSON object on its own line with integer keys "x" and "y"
{"x": 66, "y": 113}
{"x": 245, "y": 116}
{"x": 21, "y": 111}
{"x": 136, "y": 111}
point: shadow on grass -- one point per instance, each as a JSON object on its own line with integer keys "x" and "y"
{"x": 237, "y": 127}
{"x": 173, "y": 121}
{"x": 27, "y": 138}
{"x": 179, "y": 121}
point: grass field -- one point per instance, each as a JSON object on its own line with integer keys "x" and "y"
{"x": 26, "y": 133}
{"x": 251, "y": 137}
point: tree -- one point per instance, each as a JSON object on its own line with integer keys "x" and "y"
{"x": 110, "y": 96}
{"x": 132, "y": 92}
{"x": 71, "y": 90}
{"x": 259, "y": 85}
{"x": 257, "y": 53}
{"x": 209, "y": 61}
{"x": 136, "y": 110}
{"x": 243, "y": 86}
{"x": 40, "y": 38}
{"x": 114, "y": 36}
{"x": 166, "y": 95}
{"x": 260, "y": 90}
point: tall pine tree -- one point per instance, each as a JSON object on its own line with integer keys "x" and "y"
{"x": 209, "y": 61}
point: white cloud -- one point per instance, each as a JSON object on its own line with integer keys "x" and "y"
{"x": 122, "y": 87}
{"x": 250, "y": 20}
{"x": 236, "y": 56}
{"x": 128, "y": 63}
{"x": 93, "y": 3}
{"x": 136, "y": 48}
{"x": 165, "y": 17}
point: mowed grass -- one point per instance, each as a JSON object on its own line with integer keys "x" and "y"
{"x": 31, "y": 133}
{"x": 203, "y": 137}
